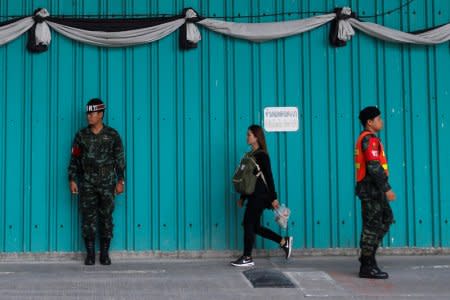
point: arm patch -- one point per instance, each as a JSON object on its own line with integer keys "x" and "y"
{"x": 373, "y": 150}
{"x": 76, "y": 151}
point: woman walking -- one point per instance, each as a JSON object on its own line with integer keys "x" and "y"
{"x": 263, "y": 197}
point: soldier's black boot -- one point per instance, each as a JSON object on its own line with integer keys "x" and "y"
{"x": 375, "y": 264}
{"x": 368, "y": 270}
{"x": 104, "y": 252}
{"x": 90, "y": 252}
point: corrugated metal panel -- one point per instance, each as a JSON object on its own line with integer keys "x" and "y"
{"x": 183, "y": 117}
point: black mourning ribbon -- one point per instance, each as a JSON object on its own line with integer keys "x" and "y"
{"x": 183, "y": 41}
{"x": 334, "y": 29}
{"x": 32, "y": 46}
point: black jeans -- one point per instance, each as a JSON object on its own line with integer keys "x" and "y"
{"x": 252, "y": 227}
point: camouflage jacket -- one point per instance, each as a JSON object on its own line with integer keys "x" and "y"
{"x": 97, "y": 157}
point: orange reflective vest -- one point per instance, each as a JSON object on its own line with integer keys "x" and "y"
{"x": 375, "y": 151}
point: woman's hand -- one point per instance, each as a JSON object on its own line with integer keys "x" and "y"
{"x": 275, "y": 204}
{"x": 240, "y": 203}
{"x": 73, "y": 187}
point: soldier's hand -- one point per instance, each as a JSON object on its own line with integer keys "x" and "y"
{"x": 119, "y": 188}
{"x": 73, "y": 187}
{"x": 240, "y": 203}
{"x": 391, "y": 195}
{"x": 275, "y": 204}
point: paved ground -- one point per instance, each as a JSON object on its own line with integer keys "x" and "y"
{"x": 412, "y": 277}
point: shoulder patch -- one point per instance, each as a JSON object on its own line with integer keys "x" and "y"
{"x": 76, "y": 151}
{"x": 373, "y": 149}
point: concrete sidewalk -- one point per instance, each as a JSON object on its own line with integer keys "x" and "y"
{"x": 412, "y": 277}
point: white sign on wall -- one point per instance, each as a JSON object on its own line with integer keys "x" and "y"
{"x": 278, "y": 119}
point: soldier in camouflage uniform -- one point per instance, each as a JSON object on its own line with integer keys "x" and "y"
{"x": 96, "y": 171}
{"x": 374, "y": 191}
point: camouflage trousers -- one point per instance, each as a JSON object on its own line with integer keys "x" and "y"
{"x": 97, "y": 206}
{"x": 377, "y": 218}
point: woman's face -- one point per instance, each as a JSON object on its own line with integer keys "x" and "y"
{"x": 251, "y": 138}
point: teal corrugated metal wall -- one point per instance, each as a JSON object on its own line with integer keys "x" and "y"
{"x": 183, "y": 118}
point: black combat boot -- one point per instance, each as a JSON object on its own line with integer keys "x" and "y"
{"x": 90, "y": 252}
{"x": 368, "y": 270}
{"x": 375, "y": 265}
{"x": 104, "y": 251}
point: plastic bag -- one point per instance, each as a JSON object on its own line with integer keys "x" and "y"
{"x": 282, "y": 215}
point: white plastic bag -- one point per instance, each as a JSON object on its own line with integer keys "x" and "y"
{"x": 282, "y": 215}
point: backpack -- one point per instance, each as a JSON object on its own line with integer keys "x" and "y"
{"x": 246, "y": 175}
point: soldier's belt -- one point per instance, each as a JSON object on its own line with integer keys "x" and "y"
{"x": 104, "y": 170}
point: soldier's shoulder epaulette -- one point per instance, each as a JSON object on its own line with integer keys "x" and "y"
{"x": 368, "y": 137}
{"x": 366, "y": 140}
{"x": 111, "y": 130}
{"x": 83, "y": 131}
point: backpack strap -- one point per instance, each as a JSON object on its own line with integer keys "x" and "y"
{"x": 264, "y": 179}
{"x": 258, "y": 168}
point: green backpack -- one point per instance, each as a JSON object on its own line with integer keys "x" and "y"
{"x": 246, "y": 175}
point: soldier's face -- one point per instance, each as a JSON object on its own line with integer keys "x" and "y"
{"x": 377, "y": 123}
{"x": 94, "y": 118}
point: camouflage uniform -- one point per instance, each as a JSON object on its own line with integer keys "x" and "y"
{"x": 376, "y": 212}
{"x": 97, "y": 163}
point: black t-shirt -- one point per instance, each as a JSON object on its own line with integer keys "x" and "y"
{"x": 261, "y": 190}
